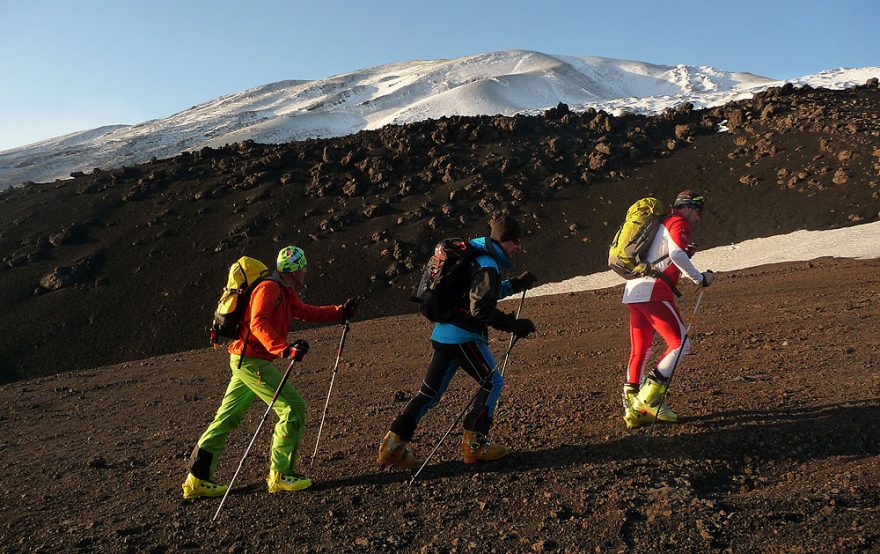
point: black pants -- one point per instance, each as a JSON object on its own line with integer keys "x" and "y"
{"x": 476, "y": 359}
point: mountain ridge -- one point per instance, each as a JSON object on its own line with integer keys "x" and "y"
{"x": 505, "y": 82}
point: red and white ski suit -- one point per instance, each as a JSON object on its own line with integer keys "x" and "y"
{"x": 650, "y": 299}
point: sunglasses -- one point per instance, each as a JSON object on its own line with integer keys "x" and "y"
{"x": 695, "y": 203}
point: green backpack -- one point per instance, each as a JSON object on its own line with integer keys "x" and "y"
{"x": 244, "y": 275}
{"x": 627, "y": 253}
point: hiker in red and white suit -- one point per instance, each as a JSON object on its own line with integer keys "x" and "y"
{"x": 652, "y": 308}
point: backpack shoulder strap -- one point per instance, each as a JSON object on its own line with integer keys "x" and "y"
{"x": 666, "y": 280}
{"x": 274, "y": 277}
{"x": 659, "y": 274}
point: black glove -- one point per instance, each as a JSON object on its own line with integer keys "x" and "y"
{"x": 523, "y": 281}
{"x": 298, "y": 350}
{"x": 708, "y": 277}
{"x": 691, "y": 250}
{"x": 348, "y": 308}
{"x": 522, "y": 327}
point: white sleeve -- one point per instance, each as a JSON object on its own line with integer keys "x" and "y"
{"x": 681, "y": 260}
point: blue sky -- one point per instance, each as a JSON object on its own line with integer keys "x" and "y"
{"x": 72, "y": 65}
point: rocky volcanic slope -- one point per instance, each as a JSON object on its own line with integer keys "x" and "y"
{"x": 778, "y": 449}
{"x": 124, "y": 264}
{"x": 505, "y": 82}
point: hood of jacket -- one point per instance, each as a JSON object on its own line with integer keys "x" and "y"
{"x": 485, "y": 243}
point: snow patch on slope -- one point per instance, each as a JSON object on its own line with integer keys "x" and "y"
{"x": 860, "y": 241}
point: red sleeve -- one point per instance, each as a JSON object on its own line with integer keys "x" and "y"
{"x": 314, "y": 314}
{"x": 263, "y": 301}
{"x": 680, "y": 231}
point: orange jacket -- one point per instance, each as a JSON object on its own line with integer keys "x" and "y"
{"x": 267, "y": 319}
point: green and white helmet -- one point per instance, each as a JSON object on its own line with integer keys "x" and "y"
{"x": 290, "y": 259}
{"x": 689, "y": 199}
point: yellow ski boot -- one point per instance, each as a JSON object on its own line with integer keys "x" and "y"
{"x": 648, "y": 401}
{"x": 394, "y": 453}
{"x": 476, "y": 447}
{"x": 278, "y": 482}
{"x": 194, "y": 487}
{"x": 631, "y": 417}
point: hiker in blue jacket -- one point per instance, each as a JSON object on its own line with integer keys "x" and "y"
{"x": 463, "y": 342}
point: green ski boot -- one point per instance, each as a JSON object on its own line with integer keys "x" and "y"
{"x": 194, "y": 487}
{"x": 631, "y": 417}
{"x": 648, "y": 402}
{"x": 277, "y": 481}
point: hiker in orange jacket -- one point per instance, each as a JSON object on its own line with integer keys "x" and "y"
{"x": 262, "y": 338}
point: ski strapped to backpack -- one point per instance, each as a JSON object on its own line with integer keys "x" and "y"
{"x": 244, "y": 275}
{"x": 626, "y": 256}
{"x": 443, "y": 289}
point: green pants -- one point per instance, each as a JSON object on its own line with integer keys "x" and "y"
{"x": 254, "y": 378}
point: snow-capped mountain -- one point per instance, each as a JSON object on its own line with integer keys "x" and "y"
{"x": 506, "y": 82}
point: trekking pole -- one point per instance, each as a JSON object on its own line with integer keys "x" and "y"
{"x": 510, "y": 345}
{"x": 461, "y": 414}
{"x": 345, "y": 328}
{"x": 247, "y": 451}
{"x": 687, "y": 334}
{"x": 512, "y": 335}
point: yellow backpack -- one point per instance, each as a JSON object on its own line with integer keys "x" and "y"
{"x": 244, "y": 275}
{"x": 627, "y": 253}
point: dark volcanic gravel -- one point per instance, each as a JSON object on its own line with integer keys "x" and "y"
{"x": 777, "y": 450}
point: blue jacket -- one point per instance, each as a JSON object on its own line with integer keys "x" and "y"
{"x": 486, "y": 289}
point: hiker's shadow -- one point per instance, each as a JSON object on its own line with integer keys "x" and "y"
{"x": 795, "y": 434}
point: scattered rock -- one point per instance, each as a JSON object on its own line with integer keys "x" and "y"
{"x": 557, "y": 112}
{"x": 545, "y": 545}
{"x": 98, "y": 462}
{"x": 749, "y": 180}
{"x": 685, "y": 132}
{"x": 597, "y": 161}
{"x": 374, "y": 210}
